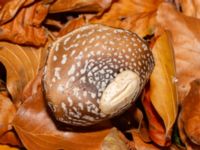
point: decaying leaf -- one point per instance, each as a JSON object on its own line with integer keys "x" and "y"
{"x": 26, "y": 28}
{"x": 115, "y": 140}
{"x": 190, "y": 116}
{"x": 22, "y": 64}
{"x": 79, "y": 5}
{"x": 37, "y": 130}
{"x": 186, "y": 42}
{"x": 135, "y": 15}
{"x": 190, "y": 7}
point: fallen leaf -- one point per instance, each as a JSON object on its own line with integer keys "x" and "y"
{"x": 186, "y": 42}
{"x": 156, "y": 126}
{"x": 190, "y": 8}
{"x": 79, "y": 5}
{"x": 9, "y": 9}
{"x": 115, "y": 140}
{"x": 189, "y": 117}
{"x": 161, "y": 109}
{"x": 6, "y": 147}
{"x": 140, "y": 144}
{"x": 163, "y": 81}
{"x": 22, "y": 65}
{"x": 135, "y": 15}
{"x": 7, "y": 112}
{"x": 37, "y": 130}
{"x": 26, "y": 28}
{"x": 71, "y": 25}
{"x": 10, "y": 138}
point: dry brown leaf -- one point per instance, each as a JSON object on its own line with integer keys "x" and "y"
{"x": 9, "y": 9}
{"x": 7, "y": 112}
{"x": 38, "y": 131}
{"x": 140, "y": 144}
{"x": 156, "y": 127}
{"x": 79, "y": 5}
{"x": 135, "y": 15}
{"x": 163, "y": 94}
{"x": 5, "y": 147}
{"x": 189, "y": 117}
{"x": 10, "y": 138}
{"x": 26, "y": 28}
{"x": 186, "y": 42}
{"x": 22, "y": 64}
{"x": 190, "y": 7}
{"x": 71, "y": 25}
{"x": 115, "y": 140}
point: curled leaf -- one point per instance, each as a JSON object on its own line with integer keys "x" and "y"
{"x": 163, "y": 93}
{"x": 79, "y": 5}
{"x": 190, "y": 116}
{"x": 26, "y": 28}
{"x": 21, "y": 64}
{"x": 135, "y": 15}
{"x": 37, "y": 130}
{"x": 186, "y": 42}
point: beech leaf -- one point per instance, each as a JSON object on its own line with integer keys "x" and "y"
{"x": 25, "y": 28}
{"x": 79, "y": 5}
{"x": 10, "y": 138}
{"x": 37, "y": 130}
{"x": 7, "y": 112}
{"x": 189, "y": 117}
{"x": 9, "y": 9}
{"x": 72, "y": 24}
{"x": 22, "y": 65}
{"x": 115, "y": 140}
{"x": 135, "y": 15}
{"x": 140, "y": 144}
{"x": 5, "y": 147}
{"x": 186, "y": 42}
{"x": 190, "y": 8}
{"x": 163, "y": 94}
{"x": 155, "y": 123}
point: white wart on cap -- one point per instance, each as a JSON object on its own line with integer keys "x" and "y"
{"x": 94, "y": 73}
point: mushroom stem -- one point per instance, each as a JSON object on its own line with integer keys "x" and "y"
{"x": 120, "y": 92}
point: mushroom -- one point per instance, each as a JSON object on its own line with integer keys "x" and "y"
{"x": 94, "y": 73}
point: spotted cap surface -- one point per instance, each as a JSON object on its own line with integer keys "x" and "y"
{"x": 82, "y": 63}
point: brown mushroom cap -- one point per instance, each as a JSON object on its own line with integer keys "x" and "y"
{"x": 82, "y": 63}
